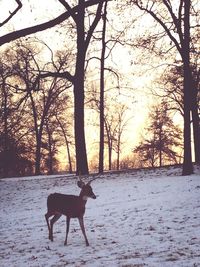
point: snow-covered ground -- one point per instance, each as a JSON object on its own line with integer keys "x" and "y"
{"x": 140, "y": 218}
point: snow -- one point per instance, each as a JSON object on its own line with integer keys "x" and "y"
{"x": 140, "y": 218}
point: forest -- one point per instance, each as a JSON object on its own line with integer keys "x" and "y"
{"x": 96, "y": 85}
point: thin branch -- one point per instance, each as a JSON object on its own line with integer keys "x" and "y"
{"x": 12, "y": 13}
{"x": 176, "y": 21}
{"x": 94, "y": 24}
{"x": 167, "y": 30}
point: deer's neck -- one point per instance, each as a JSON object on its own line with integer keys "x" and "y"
{"x": 83, "y": 198}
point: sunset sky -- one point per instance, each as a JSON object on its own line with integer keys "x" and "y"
{"x": 136, "y": 75}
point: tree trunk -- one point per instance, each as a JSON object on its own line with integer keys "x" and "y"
{"x": 67, "y": 144}
{"x": 109, "y": 142}
{"x": 5, "y": 166}
{"x": 80, "y": 146}
{"x": 38, "y": 154}
{"x": 50, "y": 156}
{"x": 101, "y": 142}
{"x": 118, "y": 151}
{"x": 81, "y": 155}
{"x": 196, "y": 126}
{"x": 68, "y": 155}
{"x": 187, "y": 87}
{"x": 160, "y": 146}
{"x": 109, "y": 157}
{"x": 187, "y": 162}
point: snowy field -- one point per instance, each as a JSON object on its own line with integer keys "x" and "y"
{"x": 140, "y": 218}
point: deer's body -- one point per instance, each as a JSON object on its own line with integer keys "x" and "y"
{"x": 69, "y": 205}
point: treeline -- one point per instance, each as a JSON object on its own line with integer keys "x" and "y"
{"x": 34, "y": 121}
{"x": 37, "y": 116}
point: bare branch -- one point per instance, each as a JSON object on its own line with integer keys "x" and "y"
{"x": 65, "y": 75}
{"x": 43, "y": 26}
{"x": 163, "y": 25}
{"x": 12, "y": 13}
{"x": 94, "y": 24}
{"x": 69, "y": 9}
{"x": 176, "y": 21}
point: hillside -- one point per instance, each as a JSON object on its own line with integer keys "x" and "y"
{"x": 140, "y": 218}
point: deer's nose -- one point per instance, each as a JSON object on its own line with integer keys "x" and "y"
{"x": 94, "y": 197}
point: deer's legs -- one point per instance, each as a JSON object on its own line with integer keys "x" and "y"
{"x": 67, "y": 229}
{"x": 81, "y": 222}
{"x": 47, "y": 215}
{"x": 53, "y": 220}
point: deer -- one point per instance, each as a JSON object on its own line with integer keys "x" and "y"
{"x": 71, "y": 206}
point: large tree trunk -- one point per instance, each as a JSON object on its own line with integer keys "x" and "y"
{"x": 5, "y": 167}
{"x": 80, "y": 145}
{"x": 187, "y": 163}
{"x": 196, "y": 125}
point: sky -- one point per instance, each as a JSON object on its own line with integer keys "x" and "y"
{"x": 135, "y": 76}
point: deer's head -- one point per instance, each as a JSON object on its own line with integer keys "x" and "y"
{"x": 86, "y": 190}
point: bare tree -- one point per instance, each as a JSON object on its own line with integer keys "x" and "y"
{"x": 115, "y": 125}
{"x": 175, "y": 21}
{"x": 77, "y": 13}
{"x": 121, "y": 127}
{"x": 171, "y": 83}
{"x": 50, "y": 125}
{"x": 41, "y": 100}
{"x": 109, "y": 38}
{"x": 102, "y": 89}
{"x": 83, "y": 37}
{"x": 15, "y": 156}
{"x": 65, "y": 127}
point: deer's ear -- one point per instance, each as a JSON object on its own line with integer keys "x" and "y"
{"x": 80, "y": 184}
